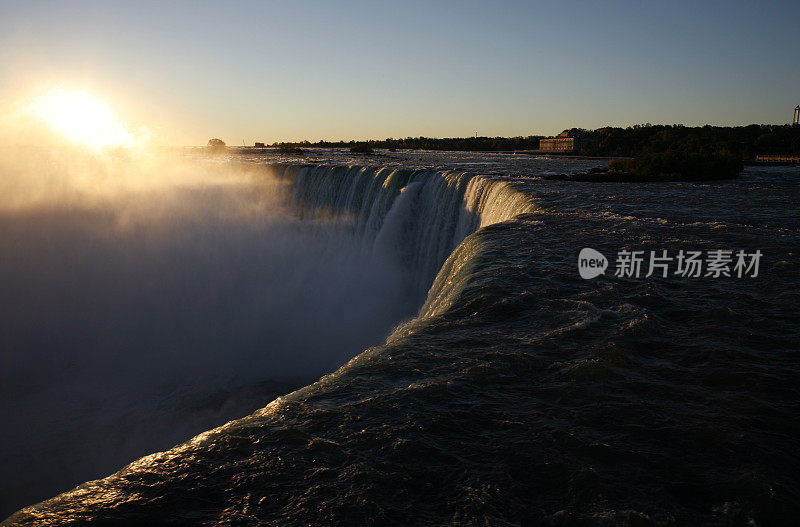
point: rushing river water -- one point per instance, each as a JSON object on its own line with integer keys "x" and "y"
{"x": 501, "y": 388}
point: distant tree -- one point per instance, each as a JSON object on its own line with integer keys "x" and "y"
{"x": 290, "y": 148}
{"x": 216, "y": 145}
{"x": 361, "y": 148}
{"x": 677, "y": 165}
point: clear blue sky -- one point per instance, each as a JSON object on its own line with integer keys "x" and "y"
{"x": 340, "y": 70}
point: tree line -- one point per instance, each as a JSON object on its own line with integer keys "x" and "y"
{"x": 743, "y": 142}
{"x": 460, "y": 144}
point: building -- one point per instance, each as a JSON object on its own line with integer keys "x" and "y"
{"x": 779, "y": 159}
{"x": 260, "y": 145}
{"x": 568, "y": 141}
{"x": 796, "y": 115}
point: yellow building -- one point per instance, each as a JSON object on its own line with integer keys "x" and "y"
{"x": 563, "y": 142}
{"x": 557, "y": 144}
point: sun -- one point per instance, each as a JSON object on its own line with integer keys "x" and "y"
{"x": 81, "y": 117}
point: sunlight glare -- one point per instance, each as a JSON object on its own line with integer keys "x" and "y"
{"x": 81, "y": 117}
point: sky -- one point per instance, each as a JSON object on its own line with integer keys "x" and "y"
{"x": 287, "y": 71}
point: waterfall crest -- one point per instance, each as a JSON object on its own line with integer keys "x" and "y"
{"x": 420, "y": 215}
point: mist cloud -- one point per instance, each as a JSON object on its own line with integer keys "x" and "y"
{"x": 147, "y": 296}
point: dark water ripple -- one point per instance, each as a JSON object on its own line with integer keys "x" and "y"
{"x": 537, "y": 397}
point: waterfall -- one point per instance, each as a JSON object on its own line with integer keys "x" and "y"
{"x": 420, "y": 216}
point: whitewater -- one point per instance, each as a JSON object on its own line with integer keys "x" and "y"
{"x": 398, "y": 339}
